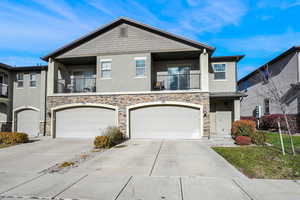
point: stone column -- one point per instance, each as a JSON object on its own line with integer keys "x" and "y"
{"x": 204, "y": 71}
{"x": 237, "y": 109}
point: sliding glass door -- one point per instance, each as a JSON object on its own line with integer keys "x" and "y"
{"x": 178, "y": 78}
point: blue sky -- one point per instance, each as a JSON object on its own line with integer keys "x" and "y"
{"x": 259, "y": 29}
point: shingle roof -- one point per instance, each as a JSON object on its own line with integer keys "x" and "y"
{"x": 23, "y": 68}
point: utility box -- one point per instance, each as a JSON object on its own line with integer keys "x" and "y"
{"x": 258, "y": 112}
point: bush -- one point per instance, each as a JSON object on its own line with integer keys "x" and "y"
{"x": 243, "y": 128}
{"x": 114, "y": 134}
{"x": 243, "y": 140}
{"x": 248, "y": 118}
{"x": 13, "y": 138}
{"x": 258, "y": 138}
{"x": 101, "y": 142}
{"x": 269, "y": 122}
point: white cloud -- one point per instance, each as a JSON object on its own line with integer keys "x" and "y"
{"x": 278, "y": 4}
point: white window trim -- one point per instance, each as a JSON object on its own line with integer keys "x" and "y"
{"x": 105, "y": 60}
{"x": 31, "y": 80}
{"x": 18, "y": 87}
{"x": 224, "y": 71}
{"x": 140, "y": 58}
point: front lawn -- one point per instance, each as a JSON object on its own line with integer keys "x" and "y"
{"x": 265, "y": 162}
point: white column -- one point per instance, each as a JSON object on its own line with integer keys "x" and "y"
{"x": 204, "y": 71}
{"x": 237, "y": 109}
{"x": 298, "y": 54}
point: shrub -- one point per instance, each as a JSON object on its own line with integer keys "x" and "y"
{"x": 114, "y": 134}
{"x": 248, "y": 118}
{"x": 13, "y": 138}
{"x": 243, "y": 140}
{"x": 269, "y": 122}
{"x": 101, "y": 142}
{"x": 243, "y": 128}
{"x": 258, "y": 137}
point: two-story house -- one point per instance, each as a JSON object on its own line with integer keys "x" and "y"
{"x": 148, "y": 82}
{"x": 284, "y": 71}
{"x": 23, "y": 99}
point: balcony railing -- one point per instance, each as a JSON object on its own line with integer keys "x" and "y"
{"x": 3, "y": 90}
{"x": 76, "y": 85}
{"x": 177, "y": 82}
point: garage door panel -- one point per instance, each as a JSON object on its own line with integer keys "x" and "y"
{"x": 165, "y": 122}
{"x": 83, "y": 122}
{"x": 28, "y": 122}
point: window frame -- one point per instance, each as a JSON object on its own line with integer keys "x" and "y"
{"x": 225, "y": 74}
{"x": 136, "y": 67}
{"x": 20, "y": 80}
{"x": 101, "y": 68}
{"x": 266, "y": 107}
{"x": 30, "y": 81}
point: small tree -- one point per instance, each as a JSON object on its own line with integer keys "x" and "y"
{"x": 275, "y": 94}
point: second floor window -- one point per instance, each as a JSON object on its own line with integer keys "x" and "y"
{"x": 140, "y": 67}
{"x": 20, "y": 80}
{"x": 32, "y": 79}
{"x": 267, "y": 106}
{"x": 106, "y": 69}
{"x": 219, "y": 71}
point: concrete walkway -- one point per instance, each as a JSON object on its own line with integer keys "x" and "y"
{"x": 145, "y": 169}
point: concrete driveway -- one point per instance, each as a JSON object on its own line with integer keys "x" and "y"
{"x": 139, "y": 169}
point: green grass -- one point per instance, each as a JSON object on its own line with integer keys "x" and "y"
{"x": 264, "y": 161}
{"x": 274, "y": 139}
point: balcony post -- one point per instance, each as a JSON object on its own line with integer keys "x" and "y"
{"x": 204, "y": 71}
{"x": 51, "y": 76}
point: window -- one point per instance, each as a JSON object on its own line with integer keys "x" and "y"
{"x": 106, "y": 69}
{"x": 32, "y": 79}
{"x": 219, "y": 71}
{"x": 123, "y": 32}
{"x": 267, "y": 106}
{"x": 140, "y": 67}
{"x": 20, "y": 80}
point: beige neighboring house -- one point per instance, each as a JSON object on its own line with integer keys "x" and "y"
{"x": 148, "y": 82}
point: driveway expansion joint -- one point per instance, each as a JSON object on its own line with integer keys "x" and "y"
{"x": 181, "y": 189}
{"x": 123, "y": 188}
{"x": 156, "y": 157}
{"x": 243, "y": 190}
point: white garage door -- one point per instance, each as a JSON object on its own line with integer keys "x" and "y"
{"x": 28, "y": 121}
{"x": 170, "y": 122}
{"x": 83, "y": 122}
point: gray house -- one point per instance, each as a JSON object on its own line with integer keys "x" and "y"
{"x": 285, "y": 73}
{"x": 23, "y": 99}
{"x": 148, "y": 82}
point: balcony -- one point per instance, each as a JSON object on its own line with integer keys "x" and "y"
{"x": 76, "y": 85}
{"x": 3, "y": 90}
{"x": 177, "y": 81}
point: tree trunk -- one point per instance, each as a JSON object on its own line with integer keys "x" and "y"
{"x": 290, "y": 135}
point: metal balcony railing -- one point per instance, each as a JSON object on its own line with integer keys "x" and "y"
{"x": 178, "y": 82}
{"x": 76, "y": 85}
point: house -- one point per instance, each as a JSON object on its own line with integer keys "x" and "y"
{"x": 284, "y": 70}
{"x": 148, "y": 82}
{"x": 23, "y": 99}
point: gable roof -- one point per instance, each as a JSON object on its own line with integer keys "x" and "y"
{"x": 131, "y": 22}
{"x": 235, "y": 58}
{"x": 274, "y": 60}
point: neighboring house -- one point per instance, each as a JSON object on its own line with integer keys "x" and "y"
{"x": 148, "y": 82}
{"x": 284, "y": 70}
{"x": 23, "y": 99}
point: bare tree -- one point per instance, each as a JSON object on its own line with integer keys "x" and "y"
{"x": 276, "y": 95}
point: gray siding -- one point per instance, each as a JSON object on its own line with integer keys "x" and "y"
{"x": 227, "y": 85}
{"x": 138, "y": 40}
{"x": 123, "y": 74}
{"x": 284, "y": 73}
{"x": 31, "y": 96}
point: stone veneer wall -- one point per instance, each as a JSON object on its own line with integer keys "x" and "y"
{"x": 124, "y": 100}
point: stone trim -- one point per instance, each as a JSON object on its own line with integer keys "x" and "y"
{"x": 126, "y": 100}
